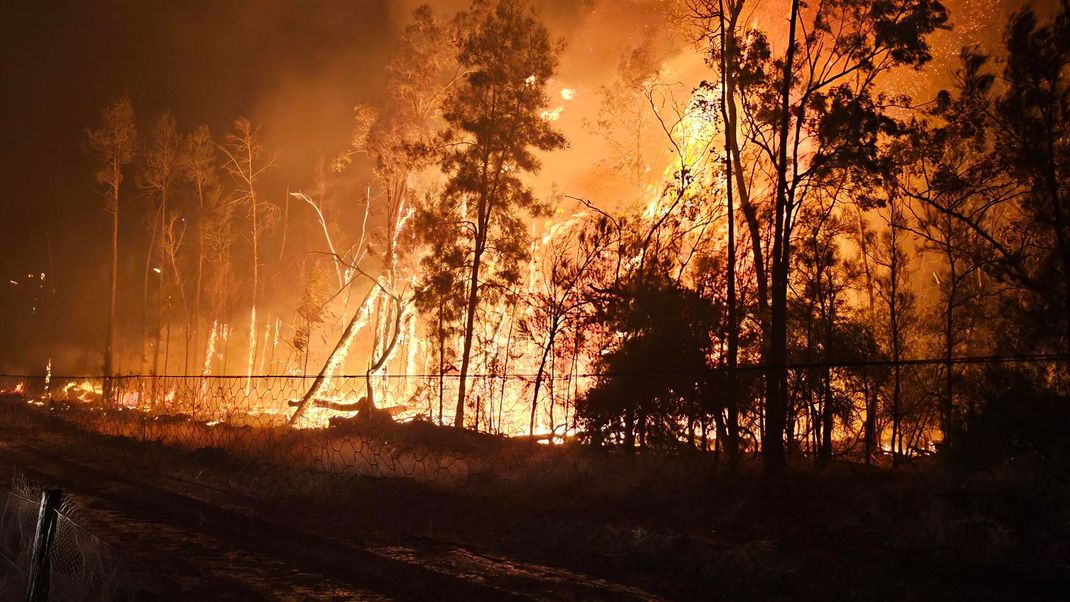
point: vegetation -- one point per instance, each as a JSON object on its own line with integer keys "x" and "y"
{"x": 767, "y": 293}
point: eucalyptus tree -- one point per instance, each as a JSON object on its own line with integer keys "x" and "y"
{"x": 397, "y": 137}
{"x": 158, "y": 177}
{"x": 201, "y": 169}
{"x": 113, "y": 145}
{"x": 245, "y": 164}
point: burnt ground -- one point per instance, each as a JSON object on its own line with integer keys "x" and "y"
{"x": 205, "y": 525}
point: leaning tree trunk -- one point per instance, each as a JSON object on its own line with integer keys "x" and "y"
{"x": 337, "y": 357}
{"x": 539, "y": 373}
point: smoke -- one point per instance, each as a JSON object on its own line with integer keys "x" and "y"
{"x": 295, "y": 69}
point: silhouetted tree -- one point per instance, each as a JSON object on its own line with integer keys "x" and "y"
{"x": 899, "y": 301}
{"x": 658, "y": 366}
{"x": 494, "y": 127}
{"x": 811, "y": 116}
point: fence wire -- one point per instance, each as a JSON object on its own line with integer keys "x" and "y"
{"x": 82, "y": 567}
{"x": 401, "y": 434}
{"x": 17, "y": 525}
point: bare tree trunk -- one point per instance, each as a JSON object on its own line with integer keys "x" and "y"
{"x": 731, "y": 429}
{"x": 337, "y": 357}
{"x": 441, "y": 358}
{"x": 947, "y": 415}
{"x": 539, "y": 373}
{"x": 109, "y": 360}
{"x": 145, "y": 302}
{"x": 256, "y": 287}
{"x": 199, "y": 280}
{"x": 776, "y": 378}
{"x": 870, "y": 417}
{"x": 469, "y": 327}
{"x": 870, "y": 427}
{"x": 826, "y": 408}
{"x": 505, "y": 367}
{"x": 893, "y": 311}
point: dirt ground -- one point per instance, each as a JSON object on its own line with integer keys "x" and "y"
{"x": 179, "y": 541}
{"x": 205, "y": 525}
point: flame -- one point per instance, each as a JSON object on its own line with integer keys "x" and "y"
{"x": 85, "y": 391}
{"x": 552, "y": 114}
{"x": 252, "y": 348}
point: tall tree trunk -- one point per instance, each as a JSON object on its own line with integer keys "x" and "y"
{"x": 869, "y": 429}
{"x": 731, "y": 427}
{"x": 256, "y": 286}
{"x": 441, "y": 357}
{"x": 505, "y": 367}
{"x": 776, "y": 378}
{"x": 200, "y": 270}
{"x": 109, "y": 343}
{"x": 826, "y": 407}
{"x": 145, "y": 301}
{"x": 947, "y": 415}
{"x": 539, "y": 373}
{"x": 893, "y": 311}
{"x": 469, "y": 328}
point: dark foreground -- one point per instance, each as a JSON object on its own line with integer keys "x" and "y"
{"x": 205, "y": 525}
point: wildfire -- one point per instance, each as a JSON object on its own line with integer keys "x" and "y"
{"x": 85, "y": 391}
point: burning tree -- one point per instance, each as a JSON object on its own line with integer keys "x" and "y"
{"x": 802, "y": 140}
{"x": 397, "y": 138}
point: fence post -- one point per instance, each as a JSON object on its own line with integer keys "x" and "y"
{"x": 42, "y": 545}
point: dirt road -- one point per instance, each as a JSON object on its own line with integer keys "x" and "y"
{"x": 181, "y": 544}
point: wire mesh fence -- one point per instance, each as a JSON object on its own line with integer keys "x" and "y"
{"x": 250, "y": 419}
{"x": 81, "y": 566}
{"x": 17, "y": 525}
{"x": 304, "y": 423}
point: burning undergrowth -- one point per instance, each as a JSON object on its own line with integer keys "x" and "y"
{"x": 365, "y": 445}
